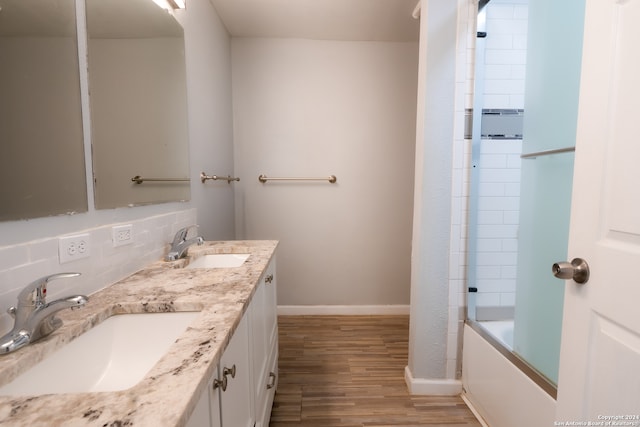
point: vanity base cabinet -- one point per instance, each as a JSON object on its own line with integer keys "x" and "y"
{"x": 271, "y": 305}
{"x": 249, "y": 389}
{"x": 264, "y": 340}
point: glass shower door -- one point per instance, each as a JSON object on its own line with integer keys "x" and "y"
{"x": 519, "y": 215}
{"x": 554, "y": 53}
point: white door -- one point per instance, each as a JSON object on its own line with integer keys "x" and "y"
{"x": 600, "y": 354}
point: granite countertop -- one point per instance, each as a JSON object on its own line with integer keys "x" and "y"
{"x": 169, "y": 392}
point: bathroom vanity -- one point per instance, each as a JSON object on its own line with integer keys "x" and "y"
{"x": 220, "y": 371}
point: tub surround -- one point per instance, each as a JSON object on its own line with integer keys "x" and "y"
{"x": 499, "y": 391}
{"x": 169, "y": 392}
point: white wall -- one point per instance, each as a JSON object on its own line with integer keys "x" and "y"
{"x": 315, "y": 108}
{"x": 208, "y": 58}
{"x": 29, "y": 249}
{"x": 433, "y": 334}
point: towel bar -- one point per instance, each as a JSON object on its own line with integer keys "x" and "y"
{"x": 331, "y": 178}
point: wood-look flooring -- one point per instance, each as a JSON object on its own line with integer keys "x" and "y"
{"x": 348, "y": 371}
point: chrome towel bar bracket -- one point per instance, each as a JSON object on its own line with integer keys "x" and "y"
{"x": 228, "y": 178}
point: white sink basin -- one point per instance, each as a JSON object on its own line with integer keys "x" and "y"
{"x": 114, "y": 355}
{"x": 218, "y": 261}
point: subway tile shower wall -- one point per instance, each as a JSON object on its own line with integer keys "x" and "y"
{"x": 499, "y": 162}
{"x": 498, "y": 216}
{"x": 22, "y": 263}
{"x": 467, "y": 11}
{"x": 506, "y": 54}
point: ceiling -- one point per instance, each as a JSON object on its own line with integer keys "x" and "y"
{"x": 358, "y": 20}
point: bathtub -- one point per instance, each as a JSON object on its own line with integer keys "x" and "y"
{"x": 498, "y": 386}
{"x": 502, "y": 330}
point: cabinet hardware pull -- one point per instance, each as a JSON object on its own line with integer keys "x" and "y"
{"x": 229, "y": 371}
{"x": 272, "y": 380}
{"x": 220, "y": 383}
{"x": 269, "y": 278}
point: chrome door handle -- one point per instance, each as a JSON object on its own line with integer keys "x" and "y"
{"x": 576, "y": 270}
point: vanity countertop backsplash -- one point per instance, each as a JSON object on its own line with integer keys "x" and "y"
{"x": 169, "y": 392}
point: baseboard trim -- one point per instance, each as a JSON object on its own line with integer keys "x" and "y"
{"x": 473, "y": 409}
{"x": 431, "y": 387}
{"x": 341, "y": 310}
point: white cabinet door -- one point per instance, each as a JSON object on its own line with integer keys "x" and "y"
{"x": 214, "y": 405}
{"x": 235, "y": 402}
{"x": 201, "y": 414}
{"x": 259, "y": 348}
{"x": 600, "y": 354}
{"x": 270, "y": 305}
{"x": 264, "y": 346}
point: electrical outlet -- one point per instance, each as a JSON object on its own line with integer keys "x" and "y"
{"x": 71, "y": 248}
{"x": 122, "y": 235}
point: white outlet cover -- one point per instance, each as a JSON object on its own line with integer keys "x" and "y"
{"x": 71, "y": 248}
{"x": 122, "y": 235}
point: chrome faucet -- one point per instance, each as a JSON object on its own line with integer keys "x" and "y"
{"x": 181, "y": 243}
{"x": 34, "y": 318}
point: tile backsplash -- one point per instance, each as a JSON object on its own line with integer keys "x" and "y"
{"x": 25, "y": 262}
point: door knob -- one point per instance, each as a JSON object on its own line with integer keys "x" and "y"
{"x": 576, "y": 270}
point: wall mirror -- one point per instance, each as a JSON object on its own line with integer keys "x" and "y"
{"x": 42, "y": 170}
{"x": 137, "y": 86}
